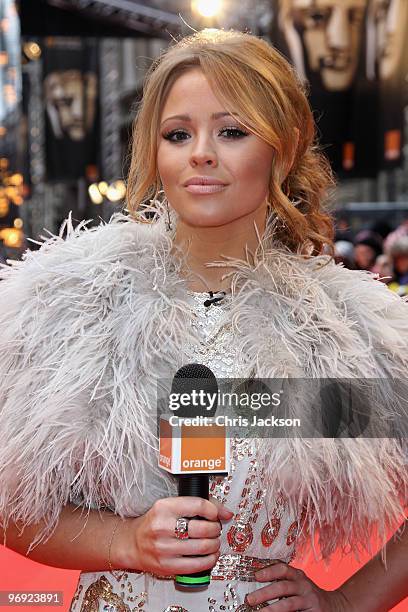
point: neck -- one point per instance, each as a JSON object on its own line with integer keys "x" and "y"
{"x": 203, "y": 245}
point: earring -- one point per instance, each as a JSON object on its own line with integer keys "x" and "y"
{"x": 168, "y": 221}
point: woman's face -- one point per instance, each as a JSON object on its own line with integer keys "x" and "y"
{"x": 208, "y": 142}
{"x": 364, "y": 256}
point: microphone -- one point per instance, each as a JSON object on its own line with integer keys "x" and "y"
{"x": 195, "y": 446}
{"x": 215, "y": 296}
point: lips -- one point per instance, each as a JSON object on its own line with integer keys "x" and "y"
{"x": 203, "y": 180}
{"x": 205, "y": 189}
{"x": 204, "y": 185}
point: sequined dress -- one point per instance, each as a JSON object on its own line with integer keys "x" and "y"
{"x": 251, "y": 539}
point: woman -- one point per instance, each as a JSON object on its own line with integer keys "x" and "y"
{"x": 95, "y": 322}
{"x": 367, "y": 247}
{"x": 398, "y": 253}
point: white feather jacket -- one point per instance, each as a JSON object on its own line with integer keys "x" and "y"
{"x": 90, "y": 321}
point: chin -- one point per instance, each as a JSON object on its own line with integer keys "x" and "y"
{"x": 205, "y": 221}
{"x": 196, "y": 215}
{"x": 336, "y": 81}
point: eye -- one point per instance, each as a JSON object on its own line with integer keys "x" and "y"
{"x": 356, "y": 15}
{"x": 169, "y": 135}
{"x": 382, "y": 9}
{"x": 318, "y": 16}
{"x": 238, "y": 133}
{"x": 64, "y": 101}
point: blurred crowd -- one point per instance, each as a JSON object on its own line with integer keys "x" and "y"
{"x": 378, "y": 249}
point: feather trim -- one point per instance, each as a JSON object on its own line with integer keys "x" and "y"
{"x": 93, "y": 320}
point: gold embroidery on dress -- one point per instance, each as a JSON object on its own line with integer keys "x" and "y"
{"x": 231, "y": 602}
{"x": 240, "y": 535}
{"x": 102, "y": 589}
{"x": 271, "y": 529}
{"x": 292, "y": 533}
{"x": 220, "y": 485}
{"x": 238, "y": 567}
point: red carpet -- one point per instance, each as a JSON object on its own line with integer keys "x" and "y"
{"x": 19, "y": 573}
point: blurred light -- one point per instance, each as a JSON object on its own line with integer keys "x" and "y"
{"x": 3, "y": 58}
{"x": 103, "y": 187}
{"x": 116, "y": 191}
{"x": 9, "y": 93}
{"x": 4, "y": 163}
{"x": 92, "y": 172}
{"x": 4, "y": 207}
{"x": 112, "y": 194}
{"x": 95, "y": 194}
{"x": 18, "y": 200}
{"x": 10, "y": 192}
{"x": 207, "y": 8}
{"x": 16, "y": 179}
{"x": 32, "y": 50}
{"x": 12, "y": 237}
{"x": 18, "y": 223}
{"x": 121, "y": 187}
{"x": 3, "y": 131}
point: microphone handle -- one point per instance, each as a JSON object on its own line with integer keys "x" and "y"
{"x": 196, "y": 485}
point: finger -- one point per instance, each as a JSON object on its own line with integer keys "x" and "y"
{"x": 292, "y": 604}
{"x": 193, "y": 506}
{"x": 192, "y": 546}
{"x": 280, "y": 588}
{"x": 203, "y": 529}
{"x": 224, "y": 513}
{"x": 276, "y": 571}
{"x": 191, "y": 565}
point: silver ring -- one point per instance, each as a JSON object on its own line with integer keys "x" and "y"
{"x": 181, "y": 528}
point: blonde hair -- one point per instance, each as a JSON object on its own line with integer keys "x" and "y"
{"x": 253, "y": 79}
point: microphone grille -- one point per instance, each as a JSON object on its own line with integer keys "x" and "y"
{"x": 194, "y": 370}
{"x": 197, "y": 377}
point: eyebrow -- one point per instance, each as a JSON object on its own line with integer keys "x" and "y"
{"x": 188, "y": 118}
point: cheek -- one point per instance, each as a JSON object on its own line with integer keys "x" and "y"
{"x": 255, "y": 166}
{"x": 315, "y": 42}
{"x": 166, "y": 165}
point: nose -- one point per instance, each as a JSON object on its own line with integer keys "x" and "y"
{"x": 392, "y": 17}
{"x": 338, "y": 34}
{"x": 76, "y": 108}
{"x": 203, "y": 153}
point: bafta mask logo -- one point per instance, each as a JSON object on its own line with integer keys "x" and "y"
{"x": 324, "y": 36}
{"x": 387, "y": 28}
{"x": 70, "y": 99}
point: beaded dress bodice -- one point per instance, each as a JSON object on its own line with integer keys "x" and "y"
{"x": 253, "y": 536}
{"x": 250, "y": 531}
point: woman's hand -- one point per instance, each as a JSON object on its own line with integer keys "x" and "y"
{"x": 301, "y": 592}
{"x": 149, "y": 542}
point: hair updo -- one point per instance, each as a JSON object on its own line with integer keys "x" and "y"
{"x": 251, "y": 78}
